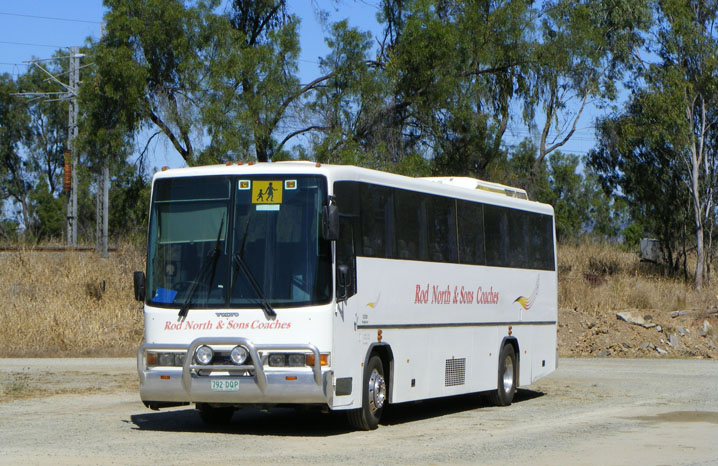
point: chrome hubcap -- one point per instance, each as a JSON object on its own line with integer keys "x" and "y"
{"x": 508, "y": 377}
{"x": 377, "y": 391}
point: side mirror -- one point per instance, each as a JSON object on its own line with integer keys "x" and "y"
{"x": 330, "y": 222}
{"x": 139, "y": 281}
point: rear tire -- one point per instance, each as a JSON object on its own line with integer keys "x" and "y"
{"x": 507, "y": 377}
{"x": 214, "y": 416}
{"x": 373, "y": 397}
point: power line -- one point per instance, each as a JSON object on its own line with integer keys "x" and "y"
{"x": 51, "y": 18}
{"x": 33, "y": 45}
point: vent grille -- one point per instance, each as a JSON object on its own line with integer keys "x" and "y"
{"x": 455, "y": 372}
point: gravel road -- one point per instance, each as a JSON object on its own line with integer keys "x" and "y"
{"x": 591, "y": 411}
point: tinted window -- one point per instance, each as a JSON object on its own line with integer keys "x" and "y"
{"x": 377, "y": 211}
{"x": 346, "y": 194}
{"x": 496, "y": 228}
{"x": 441, "y": 229}
{"x": 471, "y": 233}
{"x": 411, "y": 243}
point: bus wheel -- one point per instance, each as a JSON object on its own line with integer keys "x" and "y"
{"x": 508, "y": 374}
{"x": 214, "y": 416}
{"x": 373, "y": 397}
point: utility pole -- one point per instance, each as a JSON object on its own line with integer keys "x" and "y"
{"x": 101, "y": 210}
{"x": 73, "y": 88}
{"x": 70, "y": 94}
{"x": 102, "y": 198}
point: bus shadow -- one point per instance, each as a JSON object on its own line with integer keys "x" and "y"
{"x": 290, "y": 422}
{"x": 437, "y": 407}
{"x": 249, "y": 421}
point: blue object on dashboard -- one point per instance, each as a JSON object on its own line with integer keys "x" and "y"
{"x": 164, "y": 295}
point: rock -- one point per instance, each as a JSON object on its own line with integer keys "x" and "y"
{"x": 659, "y": 328}
{"x": 645, "y": 345}
{"x": 706, "y": 328}
{"x": 682, "y": 330}
{"x": 660, "y": 351}
{"x": 632, "y": 318}
{"x": 673, "y": 340}
{"x": 662, "y": 341}
{"x": 591, "y": 325}
{"x": 604, "y": 353}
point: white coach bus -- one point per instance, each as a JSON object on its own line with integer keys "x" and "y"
{"x": 295, "y": 283}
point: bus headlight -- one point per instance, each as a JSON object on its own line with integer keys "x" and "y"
{"x": 204, "y": 355}
{"x": 296, "y": 359}
{"x": 166, "y": 359}
{"x": 239, "y": 355}
{"x": 277, "y": 360}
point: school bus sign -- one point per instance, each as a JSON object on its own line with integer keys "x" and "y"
{"x": 267, "y": 192}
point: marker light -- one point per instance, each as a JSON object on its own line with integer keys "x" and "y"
{"x": 239, "y": 355}
{"x": 204, "y": 355}
{"x": 323, "y": 359}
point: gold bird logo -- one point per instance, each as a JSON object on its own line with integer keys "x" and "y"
{"x": 525, "y": 302}
{"x": 374, "y": 304}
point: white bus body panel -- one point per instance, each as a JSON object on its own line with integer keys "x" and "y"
{"x": 433, "y": 316}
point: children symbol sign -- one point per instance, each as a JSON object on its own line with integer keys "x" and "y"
{"x": 267, "y": 192}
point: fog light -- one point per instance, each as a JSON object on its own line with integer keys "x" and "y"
{"x": 277, "y": 360}
{"x": 296, "y": 360}
{"x": 239, "y": 355}
{"x": 204, "y": 355}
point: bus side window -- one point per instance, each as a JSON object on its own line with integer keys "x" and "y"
{"x": 346, "y": 259}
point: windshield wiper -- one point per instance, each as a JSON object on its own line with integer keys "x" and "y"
{"x": 263, "y": 302}
{"x": 200, "y": 278}
{"x": 239, "y": 263}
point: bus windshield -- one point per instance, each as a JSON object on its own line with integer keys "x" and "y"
{"x": 238, "y": 242}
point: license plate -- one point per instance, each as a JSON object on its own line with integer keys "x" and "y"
{"x": 224, "y": 385}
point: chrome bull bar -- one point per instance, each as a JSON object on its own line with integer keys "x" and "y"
{"x": 259, "y": 375}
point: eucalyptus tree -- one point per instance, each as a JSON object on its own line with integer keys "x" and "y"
{"x": 583, "y": 49}
{"x": 671, "y": 122}
{"x": 15, "y": 185}
{"x": 456, "y": 67}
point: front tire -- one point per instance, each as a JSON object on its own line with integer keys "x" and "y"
{"x": 507, "y": 376}
{"x": 373, "y": 397}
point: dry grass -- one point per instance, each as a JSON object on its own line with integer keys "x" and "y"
{"x": 69, "y": 304}
{"x": 601, "y": 278}
{"x": 54, "y": 304}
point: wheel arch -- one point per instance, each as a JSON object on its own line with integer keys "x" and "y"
{"x": 385, "y": 353}
{"x": 513, "y": 341}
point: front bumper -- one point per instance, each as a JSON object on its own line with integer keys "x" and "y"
{"x": 257, "y": 385}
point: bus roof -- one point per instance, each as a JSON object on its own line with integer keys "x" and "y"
{"x": 459, "y": 187}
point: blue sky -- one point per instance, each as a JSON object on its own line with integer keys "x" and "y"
{"x": 36, "y": 28}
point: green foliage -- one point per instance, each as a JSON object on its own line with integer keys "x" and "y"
{"x": 49, "y": 213}
{"x": 658, "y": 154}
{"x": 129, "y": 199}
{"x": 219, "y": 81}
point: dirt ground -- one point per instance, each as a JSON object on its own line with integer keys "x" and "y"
{"x": 590, "y": 411}
{"x": 694, "y": 334}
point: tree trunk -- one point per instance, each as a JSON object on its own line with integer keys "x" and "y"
{"x": 700, "y": 259}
